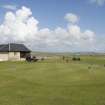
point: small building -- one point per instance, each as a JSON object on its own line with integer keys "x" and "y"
{"x": 13, "y": 52}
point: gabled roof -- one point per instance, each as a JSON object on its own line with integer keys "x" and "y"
{"x": 12, "y": 47}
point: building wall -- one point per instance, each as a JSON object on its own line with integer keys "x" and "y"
{"x": 3, "y": 56}
{"x": 14, "y": 56}
{"x": 10, "y": 56}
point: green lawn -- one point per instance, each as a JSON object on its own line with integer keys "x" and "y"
{"x": 53, "y": 82}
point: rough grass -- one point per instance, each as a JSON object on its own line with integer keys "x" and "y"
{"x": 53, "y": 82}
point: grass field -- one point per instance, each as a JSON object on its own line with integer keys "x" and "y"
{"x": 53, "y": 82}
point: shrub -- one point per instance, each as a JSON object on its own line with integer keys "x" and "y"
{"x": 76, "y": 59}
{"x": 89, "y": 67}
{"x": 63, "y": 57}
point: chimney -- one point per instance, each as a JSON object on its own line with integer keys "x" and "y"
{"x": 9, "y": 47}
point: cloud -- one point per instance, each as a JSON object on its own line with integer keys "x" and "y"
{"x": 21, "y": 26}
{"x": 9, "y": 7}
{"x": 99, "y": 2}
{"x": 70, "y": 17}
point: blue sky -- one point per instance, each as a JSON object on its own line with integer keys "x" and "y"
{"x": 50, "y": 13}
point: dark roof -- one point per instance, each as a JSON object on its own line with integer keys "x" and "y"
{"x": 12, "y": 47}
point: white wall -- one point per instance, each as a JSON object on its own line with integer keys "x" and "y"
{"x": 3, "y": 56}
{"x": 14, "y": 56}
{"x": 11, "y": 56}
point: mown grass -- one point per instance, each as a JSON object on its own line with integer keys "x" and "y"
{"x": 53, "y": 82}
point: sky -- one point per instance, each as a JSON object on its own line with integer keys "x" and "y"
{"x": 54, "y": 25}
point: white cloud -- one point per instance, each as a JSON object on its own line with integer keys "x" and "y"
{"x": 99, "y": 2}
{"x": 74, "y": 31}
{"x": 21, "y": 26}
{"x": 8, "y": 6}
{"x": 73, "y": 18}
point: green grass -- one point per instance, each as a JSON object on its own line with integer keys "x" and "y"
{"x": 53, "y": 82}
